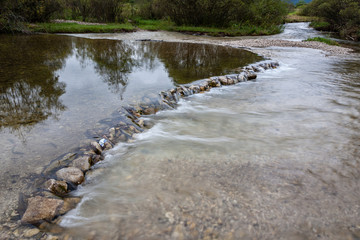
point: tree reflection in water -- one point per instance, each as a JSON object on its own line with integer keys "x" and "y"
{"x": 30, "y": 90}
{"x": 184, "y": 62}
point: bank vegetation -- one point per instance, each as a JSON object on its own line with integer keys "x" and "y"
{"x": 341, "y": 16}
{"x": 220, "y": 17}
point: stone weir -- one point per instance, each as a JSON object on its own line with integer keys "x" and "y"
{"x": 62, "y": 176}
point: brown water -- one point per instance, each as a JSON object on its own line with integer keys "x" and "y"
{"x": 272, "y": 159}
{"x": 56, "y": 91}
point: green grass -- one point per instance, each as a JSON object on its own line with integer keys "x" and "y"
{"x": 323, "y": 40}
{"x": 235, "y": 30}
{"x": 154, "y": 25}
{"x": 320, "y": 25}
{"x": 296, "y": 16}
{"x": 78, "y": 28}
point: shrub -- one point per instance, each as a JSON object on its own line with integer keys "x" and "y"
{"x": 343, "y": 16}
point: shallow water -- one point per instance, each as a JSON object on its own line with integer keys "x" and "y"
{"x": 276, "y": 158}
{"x": 58, "y": 92}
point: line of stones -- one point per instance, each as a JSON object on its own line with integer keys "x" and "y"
{"x": 68, "y": 172}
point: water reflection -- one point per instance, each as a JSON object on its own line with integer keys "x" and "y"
{"x": 31, "y": 83}
{"x": 30, "y": 89}
{"x": 114, "y": 61}
{"x": 187, "y": 62}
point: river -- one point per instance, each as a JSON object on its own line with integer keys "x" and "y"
{"x": 272, "y": 159}
{"x": 275, "y": 158}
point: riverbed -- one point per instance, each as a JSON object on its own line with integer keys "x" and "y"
{"x": 275, "y": 158}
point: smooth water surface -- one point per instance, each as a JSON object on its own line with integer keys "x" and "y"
{"x": 55, "y": 90}
{"x": 276, "y": 158}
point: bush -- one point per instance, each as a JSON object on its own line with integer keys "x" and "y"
{"x": 37, "y": 10}
{"x": 222, "y": 13}
{"x": 343, "y": 16}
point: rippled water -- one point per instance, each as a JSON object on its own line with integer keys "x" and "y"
{"x": 276, "y": 158}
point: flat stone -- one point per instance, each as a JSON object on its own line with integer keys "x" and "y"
{"x": 31, "y": 232}
{"x": 83, "y": 163}
{"x": 71, "y": 174}
{"x": 59, "y": 188}
{"x": 40, "y": 208}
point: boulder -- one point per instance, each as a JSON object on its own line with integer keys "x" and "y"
{"x": 59, "y": 188}
{"x": 83, "y": 163}
{"x": 40, "y": 208}
{"x": 71, "y": 174}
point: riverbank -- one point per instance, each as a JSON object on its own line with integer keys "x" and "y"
{"x": 70, "y": 26}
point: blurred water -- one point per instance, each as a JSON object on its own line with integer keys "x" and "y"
{"x": 276, "y": 158}
{"x": 58, "y": 92}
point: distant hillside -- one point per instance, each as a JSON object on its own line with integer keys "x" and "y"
{"x": 296, "y": 1}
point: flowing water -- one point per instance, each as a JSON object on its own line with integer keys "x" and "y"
{"x": 276, "y": 158}
{"x": 57, "y": 92}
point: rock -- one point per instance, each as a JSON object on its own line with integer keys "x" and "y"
{"x": 71, "y": 174}
{"x": 96, "y": 147}
{"x": 108, "y": 146}
{"x": 223, "y": 80}
{"x": 97, "y": 158}
{"x": 40, "y": 208}
{"x": 83, "y": 163}
{"x": 140, "y": 122}
{"x": 251, "y": 75}
{"x": 178, "y": 232}
{"x": 214, "y": 82}
{"x": 31, "y": 232}
{"x": 194, "y": 89}
{"x": 149, "y": 111}
{"x": 51, "y": 237}
{"x": 230, "y": 81}
{"x": 242, "y": 77}
{"x": 51, "y": 228}
{"x": 59, "y": 188}
{"x": 112, "y": 133}
{"x": 170, "y": 217}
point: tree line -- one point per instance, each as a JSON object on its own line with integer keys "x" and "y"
{"x": 342, "y": 16}
{"x": 215, "y": 13}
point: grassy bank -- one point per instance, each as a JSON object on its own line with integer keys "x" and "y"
{"x": 81, "y": 28}
{"x": 154, "y": 25}
{"x": 323, "y": 40}
{"x": 296, "y": 17}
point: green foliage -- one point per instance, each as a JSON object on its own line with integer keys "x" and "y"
{"x": 323, "y": 26}
{"x": 245, "y": 14}
{"x": 79, "y": 28}
{"x": 343, "y": 16}
{"x": 221, "y": 13}
{"x": 36, "y": 10}
{"x": 300, "y": 3}
{"x": 323, "y": 40}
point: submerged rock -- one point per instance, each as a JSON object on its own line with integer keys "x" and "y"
{"x": 40, "y": 208}
{"x": 71, "y": 174}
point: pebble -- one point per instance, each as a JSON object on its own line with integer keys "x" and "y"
{"x": 31, "y": 232}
